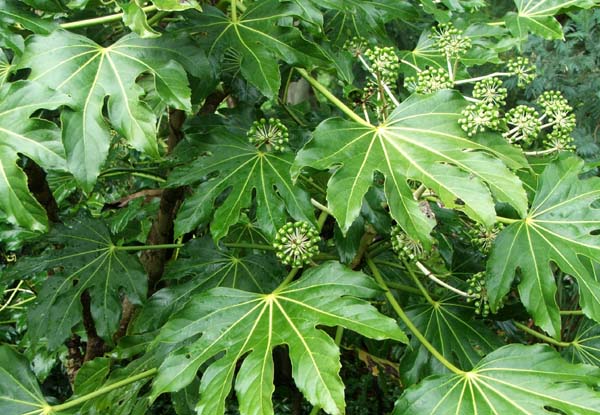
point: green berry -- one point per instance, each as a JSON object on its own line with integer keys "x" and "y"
{"x": 270, "y": 133}
{"x": 296, "y": 243}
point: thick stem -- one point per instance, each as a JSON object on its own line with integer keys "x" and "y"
{"x": 38, "y": 186}
{"x": 480, "y": 78}
{"x": 249, "y": 246}
{"x": 435, "y": 279}
{"x": 571, "y": 312}
{"x": 507, "y": 221}
{"x": 102, "y": 391}
{"x": 101, "y": 20}
{"x": 234, "y": 17}
{"x": 343, "y": 107}
{"x": 541, "y": 336}
{"x": 148, "y": 247}
{"x": 400, "y": 312}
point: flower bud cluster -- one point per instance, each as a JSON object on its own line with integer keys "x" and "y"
{"x": 404, "y": 246}
{"x": 523, "y": 70}
{"x": 560, "y": 116}
{"x": 478, "y": 117}
{"x": 270, "y": 133}
{"x": 491, "y": 91}
{"x": 356, "y": 46}
{"x": 384, "y": 63}
{"x": 450, "y": 40}
{"x": 296, "y": 243}
{"x": 524, "y": 124}
{"x": 483, "y": 238}
{"x": 429, "y": 81}
{"x": 478, "y": 294}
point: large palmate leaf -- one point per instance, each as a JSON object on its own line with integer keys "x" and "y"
{"x": 34, "y": 137}
{"x": 20, "y": 392}
{"x": 246, "y": 325}
{"x": 89, "y": 73}
{"x": 88, "y": 262}
{"x": 421, "y": 140}
{"x": 451, "y": 329}
{"x": 537, "y": 16}
{"x": 259, "y": 40}
{"x": 516, "y": 380}
{"x": 238, "y": 167}
{"x": 560, "y": 227}
{"x": 201, "y": 266}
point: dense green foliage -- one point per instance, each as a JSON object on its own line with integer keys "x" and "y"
{"x": 292, "y": 207}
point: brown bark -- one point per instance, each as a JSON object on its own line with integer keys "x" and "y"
{"x": 38, "y": 186}
{"x": 95, "y": 345}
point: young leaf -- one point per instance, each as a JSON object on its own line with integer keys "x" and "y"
{"x": 235, "y": 165}
{"x": 421, "y": 140}
{"x": 516, "y": 380}
{"x": 241, "y": 323}
{"x": 559, "y": 229}
{"x": 20, "y": 392}
{"x": 89, "y": 261}
{"x": 260, "y": 41}
{"x": 89, "y": 72}
{"x": 537, "y": 16}
{"x": 38, "y": 139}
{"x": 451, "y": 329}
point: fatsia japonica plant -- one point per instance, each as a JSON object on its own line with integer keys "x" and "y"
{"x": 295, "y": 207}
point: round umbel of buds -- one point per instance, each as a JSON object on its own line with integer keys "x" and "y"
{"x": 404, "y": 246}
{"x": 490, "y": 91}
{"x": 523, "y": 70}
{"x": 450, "y": 40}
{"x": 483, "y": 238}
{"x": 429, "y": 81}
{"x": 296, "y": 243}
{"x": 384, "y": 63}
{"x": 270, "y": 133}
{"x": 478, "y": 294}
{"x": 524, "y": 124}
{"x": 478, "y": 117}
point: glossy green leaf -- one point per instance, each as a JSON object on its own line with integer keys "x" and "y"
{"x": 422, "y": 141}
{"x": 516, "y": 380}
{"x": 36, "y": 138}
{"x": 585, "y": 346}
{"x": 451, "y": 328}
{"x": 537, "y": 16}
{"x": 199, "y": 267}
{"x": 246, "y": 325}
{"x": 14, "y": 12}
{"x": 135, "y": 18}
{"x": 88, "y": 262}
{"x": 89, "y": 73}
{"x": 175, "y": 5}
{"x": 20, "y": 392}
{"x": 259, "y": 39}
{"x": 233, "y": 164}
{"x": 559, "y": 229}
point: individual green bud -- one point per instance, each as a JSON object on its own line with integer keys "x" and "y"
{"x": 483, "y": 238}
{"x": 524, "y": 124}
{"x": 523, "y": 70}
{"x": 478, "y": 117}
{"x": 450, "y": 40}
{"x": 271, "y": 133}
{"x": 296, "y": 243}
{"x": 490, "y": 91}
{"x": 429, "y": 81}
{"x": 404, "y": 246}
{"x": 384, "y": 63}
